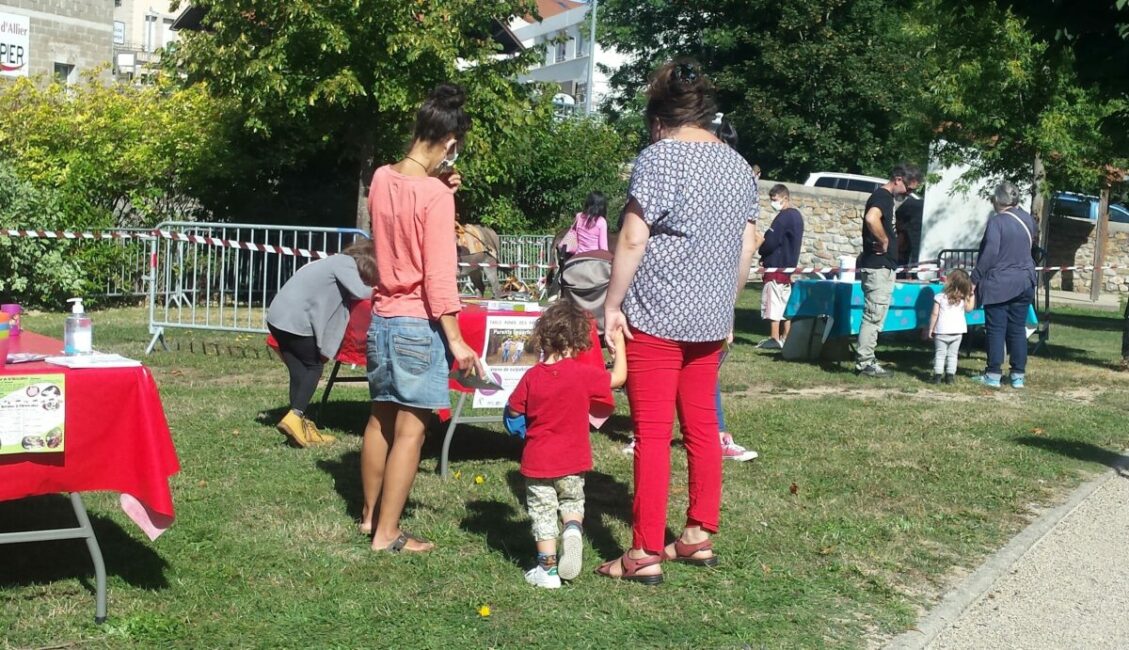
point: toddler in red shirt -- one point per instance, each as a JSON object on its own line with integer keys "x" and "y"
{"x": 553, "y": 398}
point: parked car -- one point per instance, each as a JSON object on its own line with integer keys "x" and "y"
{"x": 1084, "y": 206}
{"x": 841, "y": 181}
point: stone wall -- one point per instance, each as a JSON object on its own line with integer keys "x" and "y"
{"x": 1072, "y": 244}
{"x": 832, "y": 221}
{"x": 72, "y": 32}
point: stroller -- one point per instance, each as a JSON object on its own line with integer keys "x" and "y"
{"x": 584, "y": 280}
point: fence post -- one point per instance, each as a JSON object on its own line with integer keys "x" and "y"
{"x": 1100, "y": 238}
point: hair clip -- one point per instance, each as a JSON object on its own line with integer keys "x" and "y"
{"x": 686, "y": 73}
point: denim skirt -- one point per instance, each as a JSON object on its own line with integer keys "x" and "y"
{"x": 408, "y": 362}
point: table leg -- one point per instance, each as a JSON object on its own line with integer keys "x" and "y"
{"x": 87, "y": 532}
{"x": 443, "y": 462}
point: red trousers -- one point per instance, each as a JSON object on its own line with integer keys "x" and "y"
{"x": 662, "y": 376}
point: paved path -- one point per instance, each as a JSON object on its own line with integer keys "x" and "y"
{"x": 1061, "y": 583}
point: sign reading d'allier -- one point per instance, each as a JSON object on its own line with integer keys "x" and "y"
{"x": 15, "y": 45}
{"x": 32, "y": 413}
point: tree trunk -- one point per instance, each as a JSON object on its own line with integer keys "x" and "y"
{"x": 366, "y": 152}
{"x": 1125, "y": 339}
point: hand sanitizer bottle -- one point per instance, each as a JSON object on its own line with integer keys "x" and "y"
{"x": 78, "y": 331}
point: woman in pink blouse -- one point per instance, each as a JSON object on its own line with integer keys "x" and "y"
{"x": 591, "y": 225}
{"x": 414, "y": 333}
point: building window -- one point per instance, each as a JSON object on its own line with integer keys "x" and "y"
{"x": 581, "y": 45}
{"x": 562, "y": 49}
{"x": 64, "y": 73}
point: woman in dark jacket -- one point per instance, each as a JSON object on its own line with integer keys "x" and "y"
{"x": 1004, "y": 278}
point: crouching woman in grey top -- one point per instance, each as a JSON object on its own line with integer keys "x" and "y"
{"x": 1004, "y": 280}
{"x": 308, "y": 318}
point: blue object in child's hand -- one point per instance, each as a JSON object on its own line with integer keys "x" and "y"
{"x": 514, "y": 423}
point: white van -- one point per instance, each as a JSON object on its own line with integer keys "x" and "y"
{"x": 849, "y": 182}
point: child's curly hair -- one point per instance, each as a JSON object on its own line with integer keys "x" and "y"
{"x": 562, "y": 327}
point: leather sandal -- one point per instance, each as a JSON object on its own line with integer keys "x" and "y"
{"x": 398, "y": 545}
{"x": 631, "y": 567}
{"x": 685, "y": 553}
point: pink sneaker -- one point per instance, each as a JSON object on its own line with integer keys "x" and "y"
{"x": 734, "y": 451}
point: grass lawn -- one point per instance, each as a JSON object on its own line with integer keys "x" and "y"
{"x": 869, "y": 500}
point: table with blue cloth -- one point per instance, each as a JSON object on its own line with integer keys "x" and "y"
{"x": 911, "y": 306}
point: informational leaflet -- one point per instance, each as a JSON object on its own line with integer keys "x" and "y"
{"x": 506, "y": 355}
{"x": 32, "y": 413}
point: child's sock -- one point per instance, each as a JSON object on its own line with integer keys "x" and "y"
{"x": 574, "y": 524}
{"x": 546, "y": 560}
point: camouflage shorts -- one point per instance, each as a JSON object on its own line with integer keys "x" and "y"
{"x": 547, "y": 499}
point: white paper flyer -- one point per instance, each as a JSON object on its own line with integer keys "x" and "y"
{"x": 32, "y": 412}
{"x": 506, "y": 355}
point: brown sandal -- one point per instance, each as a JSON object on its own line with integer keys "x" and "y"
{"x": 631, "y": 567}
{"x": 399, "y": 544}
{"x": 685, "y": 553}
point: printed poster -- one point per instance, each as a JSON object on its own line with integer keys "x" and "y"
{"x": 32, "y": 410}
{"x": 507, "y": 353}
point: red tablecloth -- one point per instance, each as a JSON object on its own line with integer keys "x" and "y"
{"x": 472, "y": 324}
{"x": 117, "y": 439}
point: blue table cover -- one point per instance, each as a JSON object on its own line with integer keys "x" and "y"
{"x": 910, "y": 306}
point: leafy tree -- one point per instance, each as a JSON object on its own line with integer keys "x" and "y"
{"x": 809, "y": 84}
{"x": 997, "y": 86}
{"x": 339, "y": 80}
{"x": 540, "y": 177}
{"x": 116, "y": 155}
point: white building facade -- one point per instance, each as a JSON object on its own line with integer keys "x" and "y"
{"x": 60, "y": 38}
{"x": 141, "y": 29}
{"x": 564, "y": 32}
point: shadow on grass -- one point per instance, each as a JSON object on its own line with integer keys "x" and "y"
{"x": 507, "y": 531}
{"x": 135, "y": 562}
{"x": 1078, "y": 450}
{"x": 1078, "y": 355}
{"x": 346, "y": 474}
{"x": 1094, "y": 323}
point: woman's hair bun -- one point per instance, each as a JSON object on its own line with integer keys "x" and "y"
{"x": 441, "y": 114}
{"x": 680, "y": 93}
{"x": 448, "y": 96}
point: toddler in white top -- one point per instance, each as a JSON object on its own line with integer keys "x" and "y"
{"x": 947, "y": 325}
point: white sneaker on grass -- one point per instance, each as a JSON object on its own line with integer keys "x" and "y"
{"x": 572, "y": 553}
{"x": 629, "y": 448}
{"x": 546, "y": 579}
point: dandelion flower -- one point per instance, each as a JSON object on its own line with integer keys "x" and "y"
{"x": 484, "y": 611}
{"x": 479, "y": 479}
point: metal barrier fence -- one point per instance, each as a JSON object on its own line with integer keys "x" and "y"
{"x": 531, "y": 250}
{"x": 202, "y": 280}
{"x": 130, "y": 277}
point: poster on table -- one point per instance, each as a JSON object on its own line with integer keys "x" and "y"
{"x": 32, "y": 409}
{"x": 507, "y": 353}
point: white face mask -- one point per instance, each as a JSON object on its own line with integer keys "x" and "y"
{"x": 777, "y": 205}
{"x": 448, "y": 162}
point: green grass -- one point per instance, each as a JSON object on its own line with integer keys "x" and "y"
{"x": 900, "y": 488}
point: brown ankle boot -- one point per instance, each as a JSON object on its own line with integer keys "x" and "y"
{"x": 313, "y": 435}
{"x": 293, "y": 428}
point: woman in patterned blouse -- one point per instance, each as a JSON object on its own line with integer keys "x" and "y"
{"x": 685, "y": 247}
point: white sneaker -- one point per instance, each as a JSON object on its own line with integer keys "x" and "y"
{"x": 572, "y": 554}
{"x": 539, "y": 577}
{"x": 738, "y": 453}
{"x": 629, "y": 448}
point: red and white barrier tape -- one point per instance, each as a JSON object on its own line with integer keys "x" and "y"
{"x": 305, "y": 252}
{"x": 70, "y": 234}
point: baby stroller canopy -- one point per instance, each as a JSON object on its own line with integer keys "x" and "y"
{"x": 584, "y": 281}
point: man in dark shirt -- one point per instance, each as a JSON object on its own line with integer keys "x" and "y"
{"x": 779, "y": 248}
{"x": 877, "y": 262}
{"x": 908, "y": 224}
